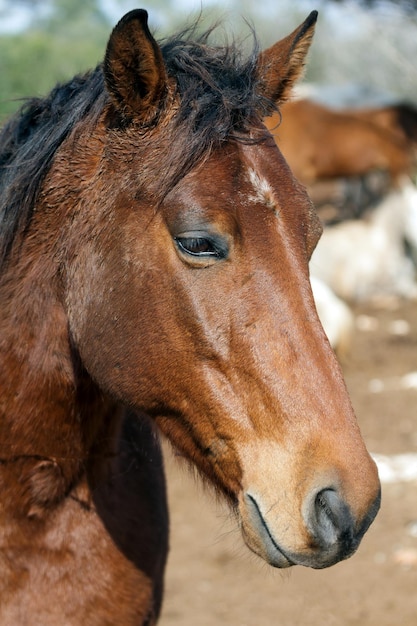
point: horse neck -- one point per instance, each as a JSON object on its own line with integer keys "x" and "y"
{"x": 50, "y": 410}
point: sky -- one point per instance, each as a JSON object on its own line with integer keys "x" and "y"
{"x": 13, "y": 18}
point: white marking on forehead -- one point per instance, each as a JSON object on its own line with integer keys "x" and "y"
{"x": 263, "y": 190}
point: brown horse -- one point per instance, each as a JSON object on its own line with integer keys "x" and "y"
{"x": 155, "y": 251}
{"x": 321, "y": 143}
{"x": 399, "y": 120}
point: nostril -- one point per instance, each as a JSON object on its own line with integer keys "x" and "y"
{"x": 324, "y": 516}
{"x": 331, "y": 519}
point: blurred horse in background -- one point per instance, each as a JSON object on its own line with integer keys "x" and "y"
{"x": 398, "y": 119}
{"x": 372, "y": 257}
{"x": 320, "y": 143}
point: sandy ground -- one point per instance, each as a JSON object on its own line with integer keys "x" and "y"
{"x": 213, "y": 579}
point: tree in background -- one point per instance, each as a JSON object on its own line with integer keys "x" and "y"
{"x": 64, "y": 37}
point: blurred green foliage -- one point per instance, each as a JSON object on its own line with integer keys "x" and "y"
{"x": 69, "y": 39}
{"x": 32, "y": 63}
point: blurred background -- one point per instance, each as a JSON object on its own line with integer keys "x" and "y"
{"x": 350, "y": 136}
{"x": 368, "y": 46}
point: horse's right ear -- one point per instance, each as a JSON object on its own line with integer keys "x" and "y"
{"x": 134, "y": 69}
{"x": 281, "y": 65}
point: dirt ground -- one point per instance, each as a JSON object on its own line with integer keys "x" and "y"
{"x": 212, "y": 578}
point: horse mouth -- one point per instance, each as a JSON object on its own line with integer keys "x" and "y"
{"x": 259, "y": 538}
{"x": 276, "y": 555}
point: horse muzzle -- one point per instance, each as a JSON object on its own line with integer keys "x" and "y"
{"x": 325, "y": 533}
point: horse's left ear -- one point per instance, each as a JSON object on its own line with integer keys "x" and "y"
{"x": 281, "y": 65}
{"x": 134, "y": 69}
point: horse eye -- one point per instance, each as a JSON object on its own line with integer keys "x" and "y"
{"x": 201, "y": 247}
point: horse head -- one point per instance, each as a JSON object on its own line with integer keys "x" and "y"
{"x": 184, "y": 243}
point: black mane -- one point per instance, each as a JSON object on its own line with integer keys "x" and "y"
{"x": 219, "y": 100}
{"x": 217, "y": 85}
{"x": 29, "y": 141}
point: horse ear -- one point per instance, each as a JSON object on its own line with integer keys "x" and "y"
{"x": 281, "y": 65}
{"x": 134, "y": 70}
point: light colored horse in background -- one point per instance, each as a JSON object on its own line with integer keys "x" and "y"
{"x": 365, "y": 259}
